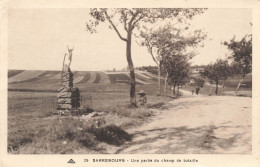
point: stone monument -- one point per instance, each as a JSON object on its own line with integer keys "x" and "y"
{"x": 68, "y": 98}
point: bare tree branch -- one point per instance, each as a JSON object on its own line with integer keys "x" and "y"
{"x": 125, "y": 19}
{"x": 151, "y": 52}
{"x": 136, "y": 21}
{"x": 130, "y": 25}
{"x": 110, "y": 21}
{"x": 125, "y": 24}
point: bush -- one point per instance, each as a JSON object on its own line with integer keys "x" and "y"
{"x": 111, "y": 134}
{"x": 87, "y": 139}
{"x": 65, "y": 135}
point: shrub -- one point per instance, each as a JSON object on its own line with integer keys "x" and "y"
{"x": 111, "y": 134}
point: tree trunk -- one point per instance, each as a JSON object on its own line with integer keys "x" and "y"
{"x": 165, "y": 84}
{"x": 131, "y": 68}
{"x": 159, "y": 79}
{"x": 174, "y": 89}
{"x": 216, "y": 91}
{"x": 210, "y": 91}
{"x": 239, "y": 84}
{"x": 223, "y": 86}
{"x": 178, "y": 90}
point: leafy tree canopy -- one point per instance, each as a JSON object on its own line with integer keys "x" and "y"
{"x": 134, "y": 17}
{"x": 242, "y": 53}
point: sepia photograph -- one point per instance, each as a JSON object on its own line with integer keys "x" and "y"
{"x": 130, "y": 81}
{"x": 155, "y": 83}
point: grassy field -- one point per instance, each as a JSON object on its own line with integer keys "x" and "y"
{"x": 33, "y": 129}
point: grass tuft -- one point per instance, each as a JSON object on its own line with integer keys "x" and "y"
{"x": 111, "y": 134}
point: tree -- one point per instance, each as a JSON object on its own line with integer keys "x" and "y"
{"x": 207, "y": 73}
{"x": 169, "y": 41}
{"x": 242, "y": 55}
{"x": 179, "y": 70}
{"x": 132, "y": 20}
{"x": 216, "y": 72}
{"x": 225, "y": 71}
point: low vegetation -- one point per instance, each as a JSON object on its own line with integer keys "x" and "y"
{"x": 230, "y": 87}
{"x": 33, "y": 129}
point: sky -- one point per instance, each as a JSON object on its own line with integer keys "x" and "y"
{"x": 38, "y": 39}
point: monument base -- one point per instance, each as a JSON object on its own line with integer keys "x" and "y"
{"x": 68, "y": 97}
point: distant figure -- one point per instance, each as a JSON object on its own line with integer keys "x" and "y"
{"x": 192, "y": 91}
{"x": 197, "y": 90}
{"x": 142, "y": 96}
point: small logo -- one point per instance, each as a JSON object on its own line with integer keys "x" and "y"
{"x": 71, "y": 161}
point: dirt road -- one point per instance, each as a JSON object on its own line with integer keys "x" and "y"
{"x": 196, "y": 125}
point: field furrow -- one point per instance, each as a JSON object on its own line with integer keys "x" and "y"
{"x": 86, "y": 78}
{"x": 78, "y": 79}
{"x": 153, "y": 77}
{"x": 97, "y": 79}
{"x": 92, "y": 77}
{"x": 119, "y": 78}
{"x": 12, "y": 73}
{"x": 57, "y": 76}
{"x": 104, "y": 79}
{"x": 142, "y": 74}
{"x": 24, "y": 76}
{"x": 138, "y": 80}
